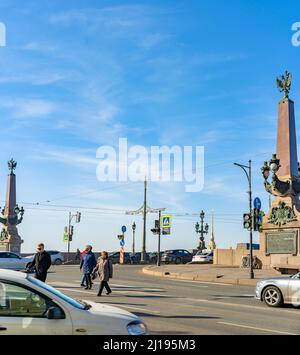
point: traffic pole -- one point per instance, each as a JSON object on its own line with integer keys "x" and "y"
{"x": 143, "y": 254}
{"x": 252, "y": 216}
{"x": 69, "y": 231}
{"x": 159, "y": 237}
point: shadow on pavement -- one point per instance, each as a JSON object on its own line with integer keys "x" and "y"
{"x": 124, "y": 304}
{"x": 141, "y": 314}
{"x": 238, "y": 296}
{"x": 145, "y": 296}
{"x": 169, "y": 333}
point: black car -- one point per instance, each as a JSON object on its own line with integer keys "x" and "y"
{"x": 115, "y": 258}
{"x": 153, "y": 257}
{"x": 178, "y": 256}
{"x": 136, "y": 258}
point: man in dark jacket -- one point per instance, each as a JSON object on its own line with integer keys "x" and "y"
{"x": 88, "y": 263}
{"x": 41, "y": 263}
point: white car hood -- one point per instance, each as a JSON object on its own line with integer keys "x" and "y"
{"x": 101, "y": 309}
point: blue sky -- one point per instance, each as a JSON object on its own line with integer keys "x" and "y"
{"x": 80, "y": 74}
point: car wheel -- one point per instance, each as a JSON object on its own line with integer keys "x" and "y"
{"x": 272, "y": 297}
{"x": 177, "y": 261}
{"x": 57, "y": 262}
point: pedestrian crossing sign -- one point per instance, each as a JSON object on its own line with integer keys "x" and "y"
{"x": 166, "y": 221}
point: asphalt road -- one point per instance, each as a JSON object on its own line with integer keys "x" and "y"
{"x": 183, "y": 307}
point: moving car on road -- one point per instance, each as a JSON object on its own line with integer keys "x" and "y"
{"x": 178, "y": 256}
{"x": 31, "y": 307}
{"x": 279, "y": 290}
{"x": 203, "y": 257}
{"x": 13, "y": 261}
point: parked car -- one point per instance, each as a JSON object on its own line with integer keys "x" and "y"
{"x": 13, "y": 261}
{"x": 178, "y": 256}
{"x": 277, "y": 291}
{"x": 153, "y": 257}
{"x": 203, "y": 257}
{"x": 56, "y": 257}
{"x": 137, "y": 257}
{"x": 46, "y": 311}
{"x": 115, "y": 257}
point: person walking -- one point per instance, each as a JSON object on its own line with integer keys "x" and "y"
{"x": 88, "y": 263}
{"x": 77, "y": 256}
{"x": 41, "y": 263}
{"x": 105, "y": 271}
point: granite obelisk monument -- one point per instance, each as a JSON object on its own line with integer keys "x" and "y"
{"x": 12, "y": 214}
{"x": 279, "y": 237}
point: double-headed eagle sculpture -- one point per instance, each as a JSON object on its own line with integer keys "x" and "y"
{"x": 284, "y": 83}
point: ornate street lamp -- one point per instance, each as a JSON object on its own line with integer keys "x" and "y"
{"x": 202, "y": 230}
{"x": 277, "y": 187}
{"x": 133, "y": 237}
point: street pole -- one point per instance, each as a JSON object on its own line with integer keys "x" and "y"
{"x": 69, "y": 231}
{"x": 159, "y": 237}
{"x": 133, "y": 238}
{"x": 248, "y": 172}
{"x": 143, "y": 254}
{"x": 251, "y": 214}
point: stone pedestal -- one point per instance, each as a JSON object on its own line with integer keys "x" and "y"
{"x": 280, "y": 235}
{"x": 10, "y": 239}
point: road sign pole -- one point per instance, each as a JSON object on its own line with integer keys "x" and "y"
{"x": 143, "y": 254}
{"x": 69, "y": 231}
{"x": 251, "y": 228}
{"x": 159, "y": 238}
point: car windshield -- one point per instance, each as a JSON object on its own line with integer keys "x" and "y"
{"x": 75, "y": 303}
{"x": 297, "y": 276}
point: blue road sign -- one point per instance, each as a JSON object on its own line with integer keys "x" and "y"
{"x": 124, "y": 229}
{"x": 257, "y": 203}
{"x": 122, "y": 243}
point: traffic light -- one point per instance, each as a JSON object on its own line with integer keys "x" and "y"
{"x": 257, "y": 219}
{"x": 156, "y": 229}
{"x": 78, "y": 217}
{"x": 71, "y": 231}
{"x": 247, "y": 221}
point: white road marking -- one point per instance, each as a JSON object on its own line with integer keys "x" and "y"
{"x": 228, "y": 304}
{"x": 256, "y": 328}
{"x": 125, "y": 286}
{"x": 131, "y": 292}
{"x": 78, "y": 291}
{"x": 196, "y": 283}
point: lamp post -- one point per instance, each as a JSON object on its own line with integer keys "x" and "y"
{"x": 202, "y": 230}
{"x": 70, "y": 229}
{"x": 248, "y": 171}
{"x": 133, "y": 237}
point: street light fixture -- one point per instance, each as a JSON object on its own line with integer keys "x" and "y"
{"x": 202, "y": 231}
{"x": 133, "y": 237}
{"x": 248, "y": 171}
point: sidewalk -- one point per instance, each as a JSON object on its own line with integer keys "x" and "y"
{"x": 209, "y": 273}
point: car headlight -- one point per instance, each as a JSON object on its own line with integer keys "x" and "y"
{"x": 136, "y": 328}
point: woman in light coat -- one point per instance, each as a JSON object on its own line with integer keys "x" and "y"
{"x": 105, "y": 271}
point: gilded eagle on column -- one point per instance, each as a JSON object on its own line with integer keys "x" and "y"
{"x": 284, "y": 83}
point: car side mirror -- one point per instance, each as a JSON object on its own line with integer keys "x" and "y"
{"x": 55, "y": 313}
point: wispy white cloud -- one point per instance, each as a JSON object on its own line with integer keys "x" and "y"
{"x": 40, "y": 47}
{"x": 37, "y": 79}
{"x": 30, "y": 108}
